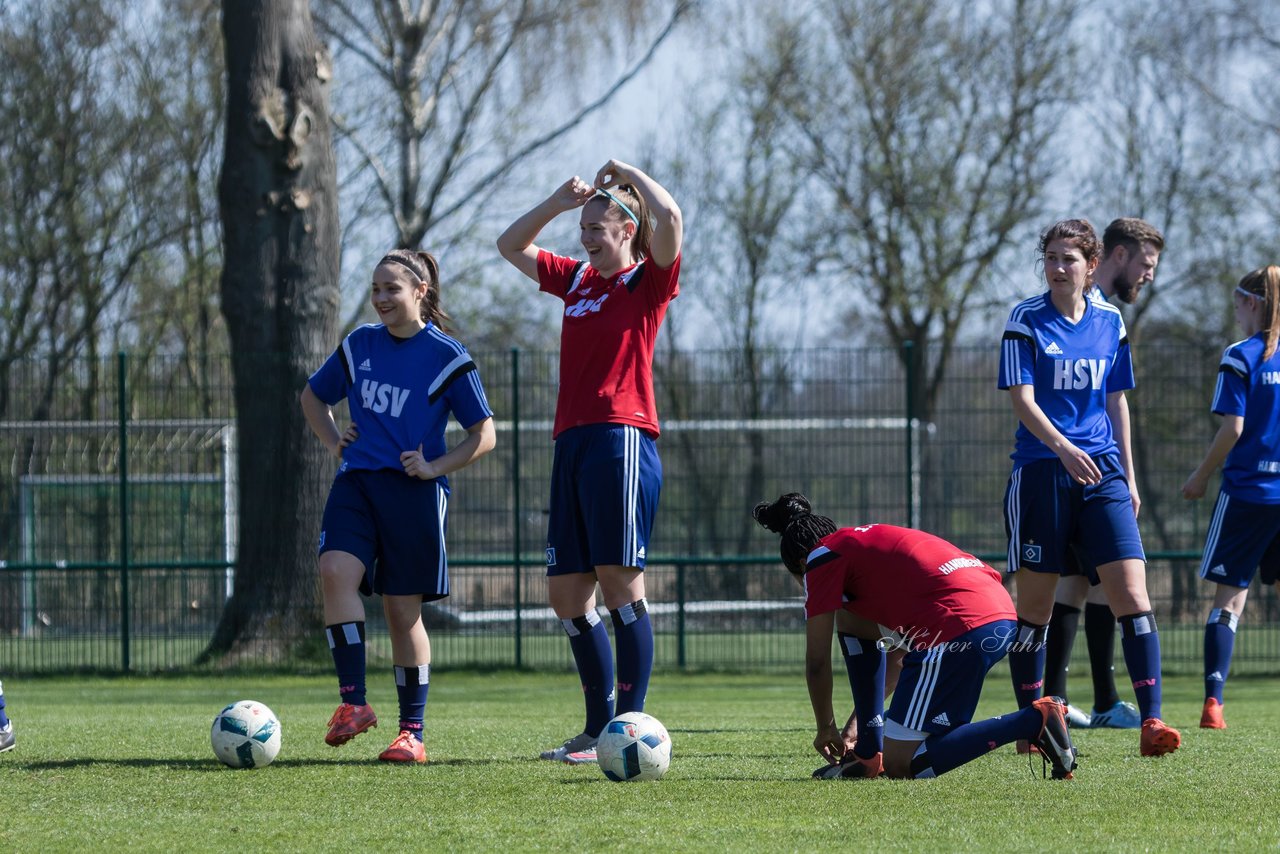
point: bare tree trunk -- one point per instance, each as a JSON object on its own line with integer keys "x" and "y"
{"x": 280, "y": 299}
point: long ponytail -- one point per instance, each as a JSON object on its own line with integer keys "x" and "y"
{"x": 423, "y": 265}
{"x": 1264, "y": 283}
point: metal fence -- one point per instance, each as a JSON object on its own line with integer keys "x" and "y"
{"x": 87, "y": 584}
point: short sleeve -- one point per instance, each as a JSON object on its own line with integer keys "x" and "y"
{"x": 330, "y": 382}
{"x": 466, "y": 398}
{"x": 663, "y": 283}
{"x": 823, "y": 583}
{"x": 1232, "y": 390}
{"x": 1017, "y": 354}
{"x": 556, "y": 273}
{"x": 1120, "y": 377}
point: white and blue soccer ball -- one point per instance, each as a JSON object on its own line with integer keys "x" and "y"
{"x": 246, "y": 735}
{"x": 634, "y": 746}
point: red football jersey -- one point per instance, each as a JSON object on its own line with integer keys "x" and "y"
{"x": 607, "y": 339}
{"x": 910, "y": 582}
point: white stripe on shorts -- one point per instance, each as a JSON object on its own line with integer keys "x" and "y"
{"x": 1215, "y": 531}
{"x": 631, "y": 496}
{"x": 442, "y": 561}
{"x": 930, "y": 669}
{"x": 1013, "y": 512}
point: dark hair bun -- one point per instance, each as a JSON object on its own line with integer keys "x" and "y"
{"x": 779, "y": 514}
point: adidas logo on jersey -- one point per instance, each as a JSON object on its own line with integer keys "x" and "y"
{"x": 365, "y": 366}
{"x": 1053, "y": 349}
{"x": 942, "y": 720}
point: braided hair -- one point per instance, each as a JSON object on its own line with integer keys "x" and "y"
{"x": 792, "y": 517}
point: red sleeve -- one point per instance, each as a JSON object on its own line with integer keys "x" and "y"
{"x": 824, "y": 589}
{"x": 555, "y": 273}
{"x": 663, "y": 283}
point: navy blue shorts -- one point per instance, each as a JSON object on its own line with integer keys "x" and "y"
{"x": 605, "y": 481}
{"x": 395, "y": 525}
{"x": 1077, "y": 563}
{"x": 1046, "y": 511}
{"x": 940, "y": 686}
{"x": 1243, "y": 537}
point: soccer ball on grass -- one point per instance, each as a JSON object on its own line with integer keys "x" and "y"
{"x": 634, "y": 746}
{"x": 246, "y": 735}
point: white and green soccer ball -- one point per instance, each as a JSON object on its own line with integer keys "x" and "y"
{"x": 246, "y": 735}
{"x": 633, "y": 747}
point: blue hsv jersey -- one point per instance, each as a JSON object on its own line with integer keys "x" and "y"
{"x": 400, "y": 392}
{"x": 1071, "y": 366}
{"x": 1249, "y": 386}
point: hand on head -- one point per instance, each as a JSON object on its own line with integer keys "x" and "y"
{"x": 612, "y": 174}
{"x": 574, "y": 193}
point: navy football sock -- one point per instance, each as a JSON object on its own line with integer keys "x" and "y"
{"x": 1026, "y": 662}
{"x": 1140, "y": 642}
{"x": 865, "y": 662}
{"x": 1059, "y": 640}
{"x": 594, "y": 657}
{"x": 411, "y": 689}
{"x": 1219, "y": 642}
{"x": 346, "y": 642}
{"x": 633, "y": 634}
{"x": 946, "y": 752}
{"x": 1100, "y": 635}
{"x": 4, "y": 719}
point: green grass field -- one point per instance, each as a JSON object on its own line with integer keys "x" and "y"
{"x": 125, "y": 764}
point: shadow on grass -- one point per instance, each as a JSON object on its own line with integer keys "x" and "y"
{"x": 600, "y": 779}
{"x": 215, "y": 765}
{"x": 736, "y": 730}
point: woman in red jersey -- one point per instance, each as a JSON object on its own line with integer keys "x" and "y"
{"x": 606, "y": 474}
{"x": 909, "y": 590}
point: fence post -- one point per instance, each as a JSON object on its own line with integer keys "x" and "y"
{"x": 122, "y": 405}
{"x": 681, "y": 652}
{"x": 909, "y": 360}
{"x": 516, "y": 511}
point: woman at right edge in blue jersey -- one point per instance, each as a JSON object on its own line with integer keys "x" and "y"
{"x": 1245, "y": 531}
{"x": 1065, "y": 361}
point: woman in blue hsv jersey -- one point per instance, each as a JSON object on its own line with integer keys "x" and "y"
{"x": 1065, "y": 362}
{"x": 1245, "y": 531}
{"x": 384, "y": 523}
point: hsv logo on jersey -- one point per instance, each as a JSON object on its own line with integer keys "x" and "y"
{"x": 585, "y": 306}
{"x": 380, "y": 397}
{"x": 1078, "y": 373}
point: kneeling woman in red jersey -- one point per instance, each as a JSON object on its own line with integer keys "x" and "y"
{"x": 945, "y": 609}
